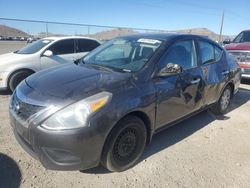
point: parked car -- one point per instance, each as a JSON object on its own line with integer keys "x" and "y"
{"x": 42, "y": 54}
{"x": 107, "y": 108}
{"x": 240, "y": 49}
{"x": 31, "y": 40}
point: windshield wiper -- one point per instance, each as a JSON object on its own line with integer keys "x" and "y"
{"x": 82, "y": 61}
{"x": 101, "y": 66}
{"x": 78, "y": 61}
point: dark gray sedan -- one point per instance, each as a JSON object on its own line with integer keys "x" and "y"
{"x": 106, "y": 108}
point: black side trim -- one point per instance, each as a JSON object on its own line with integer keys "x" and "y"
{"x": 26, "y": 146}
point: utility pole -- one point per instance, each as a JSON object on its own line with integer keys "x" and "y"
{"x": 4, "y": 31}
{"x": 47, "y": 30}
{"x": 221, "y": 26}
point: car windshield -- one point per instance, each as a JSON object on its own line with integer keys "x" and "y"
{"x": 34, "y": 47}
{"x": 125, "y": 55}
{"x": 242, "y": 37}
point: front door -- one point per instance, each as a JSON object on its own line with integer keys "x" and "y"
{"x": 63, "y": 52}
{"x": 180, "y": 94}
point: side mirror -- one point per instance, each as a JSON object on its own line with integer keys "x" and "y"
{"x": 227, "y": 41}
{"x": 170, "y": 69}
{"x": 48, "y": 53}
{"x": 77, "y": 61}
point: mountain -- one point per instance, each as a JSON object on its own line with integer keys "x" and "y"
{"x": 202, "y": 31}
{"x": 108, "y": 34}
{"x": 11, "y": 32}
{"x": 44, "y": 34}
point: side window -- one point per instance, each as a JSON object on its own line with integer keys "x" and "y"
{"x": 86, "y": 45}
{"x": 217, "y": 53}
{"x": 63, "y": 47}
{"x": 181, "y": 53}
{"x": 239, "y": 38}
{"x": 209, "y": 53}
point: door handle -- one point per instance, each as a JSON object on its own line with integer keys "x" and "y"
{"x": 195, "y": 81}
{"x": 225, "y": 72}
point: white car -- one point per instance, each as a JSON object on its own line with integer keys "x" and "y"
{"x": 42, "y": 54}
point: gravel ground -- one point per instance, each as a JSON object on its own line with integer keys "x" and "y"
{"x": 203, "y": 151}
{"x": 10, "y": 46}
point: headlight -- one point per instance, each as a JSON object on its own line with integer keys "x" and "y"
{"x": 77, "y": 114}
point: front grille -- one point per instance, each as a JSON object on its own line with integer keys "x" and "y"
{"x": 246, "y": 71}
{"x": 241, "y": 56}
{"x": 23, "y": 110}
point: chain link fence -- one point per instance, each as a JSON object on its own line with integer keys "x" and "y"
{"x": 23, "y": 29}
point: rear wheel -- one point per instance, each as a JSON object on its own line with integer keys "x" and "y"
{"x": 17, "y": 77}
{"x": 125, "y": 144}
{"x": 221, "y": 106}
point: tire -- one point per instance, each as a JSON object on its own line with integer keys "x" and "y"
{"x": 16, "y": 78}
{"x": 221, "y": 106}
{"x": 124, "y": 145}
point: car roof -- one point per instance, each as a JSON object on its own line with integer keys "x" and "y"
{"x": 246, "y": 30}
{"x": 69, "y": 37}
{"x": 162, "y": 36}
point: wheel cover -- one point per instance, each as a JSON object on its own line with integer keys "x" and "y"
{"x": 125, "y": 145}
{"x": 225, "y": 99}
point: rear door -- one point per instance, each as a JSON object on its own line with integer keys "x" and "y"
{"x": 84, "y": 46}
{"x": 180, "y": 94}
{"x": 63, "y": 52}
{"x": 215, "y": 70}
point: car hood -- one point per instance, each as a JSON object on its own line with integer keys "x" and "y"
{"x": 70, "y": 83}
{"x": 12, "y": 57}
{"x": 238, "y": 46}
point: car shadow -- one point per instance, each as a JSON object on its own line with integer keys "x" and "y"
{"x": 5, "y": 92}
{"x": 10, "y": 174}
{"x": 245, "y": 81}
{"x": 180, "y": 131}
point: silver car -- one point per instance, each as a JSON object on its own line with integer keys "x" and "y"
{"x": 42, "y": 54}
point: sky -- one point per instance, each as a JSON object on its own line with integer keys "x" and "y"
{"x": 148, "y": 14}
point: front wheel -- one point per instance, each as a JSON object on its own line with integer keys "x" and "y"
{"x": 221, "y": 106}
{"x": 125, "y": 144}
{"x": 17, "y": 78}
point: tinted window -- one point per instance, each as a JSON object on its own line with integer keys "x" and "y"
{"x": 217, "y": 53}
{"x": 34, "y": 47}
{"x": 209, "y": 52}
{"x": 86, "y": 45}
{"x": 181, "y": 53}
{"x": 243, "y": 37}
{"x": 63, "y": 47}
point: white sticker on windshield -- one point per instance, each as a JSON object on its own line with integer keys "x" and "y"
{"x": 149, "y": 41}
{"x": 46, "y": 41}
{"x": 119, "y": 41}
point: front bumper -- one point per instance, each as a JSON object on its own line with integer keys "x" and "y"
{"x": 245, "y": 73}
{"x": 60, "y": 150}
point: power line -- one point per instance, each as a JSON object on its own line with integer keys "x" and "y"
{"x": 78, "y": 24}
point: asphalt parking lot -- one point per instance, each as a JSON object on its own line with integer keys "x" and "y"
{"x": 203, "y": 151}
